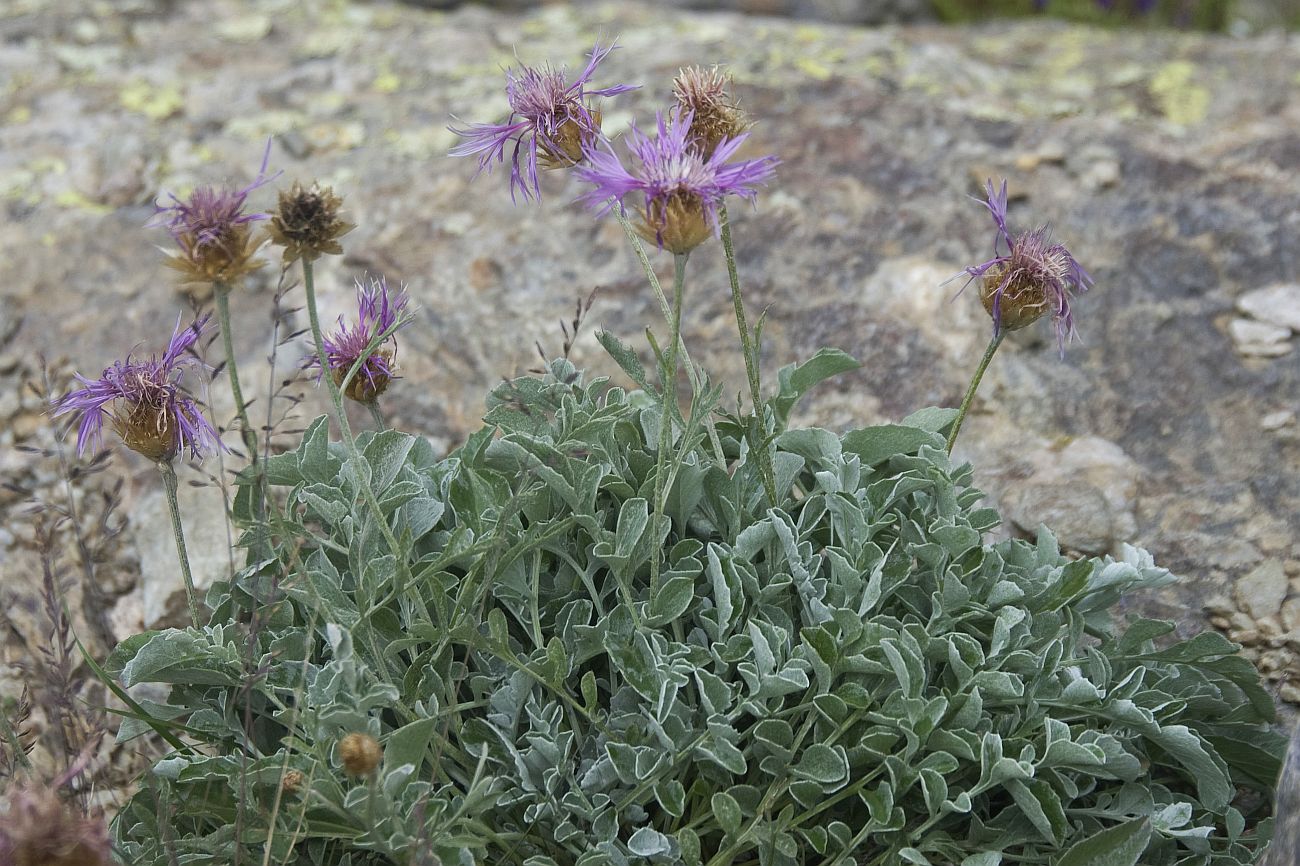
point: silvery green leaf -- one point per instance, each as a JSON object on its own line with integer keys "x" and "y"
{"x": 1121, "y": 845}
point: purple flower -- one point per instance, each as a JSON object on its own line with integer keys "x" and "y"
{"x": 680, "y": 186}
{"x": 550, "y": 122}
{"x": 212, "y": 231}
{"x": 145, "y": 402}
{"x": 1034, "y": 277}
{"x": 377, "y": 315}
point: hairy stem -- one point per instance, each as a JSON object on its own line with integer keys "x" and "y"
{"x": 222, "y": 293}
{"x": 653, "y": 278}
{"x": 178, "y": 532}
{"x": 765, "y": 467}
{"x": 378, "y": 418}
{"x": 666, "y": 414}
{"x": 974, "y": 386}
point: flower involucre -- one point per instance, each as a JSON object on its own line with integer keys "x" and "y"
{"x": 1036, "y": 276}
{"x": 377, "y": 314}
{"x": 706, "y": 94}
{"x": 214, "y": 236}
{"x": 307, "y": 223}
{"x": 550, "y": 123}
{"x": 145, "y": 402}
{"x": 681, "y": 188}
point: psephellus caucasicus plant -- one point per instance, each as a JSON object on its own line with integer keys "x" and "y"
{"x": 616, "y": 627}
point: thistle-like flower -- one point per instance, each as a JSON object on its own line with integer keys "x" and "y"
{"x": 706, "y": 94}
{"x": 1034, "y": 277}
{"x": 550, "y": 124}
{"x": 213, "y": 233}
{"x": 680, "y": 186}
{"x": 41, "y": 830}
{"x": 377, "y": 315}
{"x": 145, "y": 402}
{"x": 307, "y": 223}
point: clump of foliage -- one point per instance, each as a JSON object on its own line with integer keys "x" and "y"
{"x": 850, "y": 675}
{"x": 1212, "y": 15}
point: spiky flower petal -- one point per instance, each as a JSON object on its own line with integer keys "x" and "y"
{"x": 378, "y": 315}
{"x": 213, "y": 234}
{"x": 705, "y": 93}
{"x": 307, "y": 223}
{"x": 680, "y": 187}
{"x": 145, "y": 402}
{"x": 1035, "y": 277}
{"x": 550, "y": 123}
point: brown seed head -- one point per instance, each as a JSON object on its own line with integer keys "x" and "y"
{"x": 367, "y": 389}
{"x": 706, "y": 93}
{"x": 1023, "y": 301}
{"x": 307, "y": 222}
{"x": 360, "y": 754}
{"x": 41, "y": 830}
{"x": 147, "y": 429}
{"x": 292, "y": 782}
{"x": 678, "y": 226}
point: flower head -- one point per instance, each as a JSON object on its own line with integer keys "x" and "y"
{"x": 680, "y": 186}
{"x": 550, "y": 123}
{"x": 1034, "y": 277}
{"x": 214, "y": 235}
{"x": 145, "y": 402}
{"x": 377, "y": 315}
{"x": 41, "y": 830}
{"x": 360, "y": 753}
{"x": 706, "y": 94}
{"x": 307, "y": 223}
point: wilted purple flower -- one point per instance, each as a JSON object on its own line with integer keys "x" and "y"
{"x": 1034, "y": 277}
{"x": 42, "y": 829}
{"x": 213, "y": 232}
{"x": 550, "y": 123}
{"x": 145, "y": 402}
{"x": 681, "y": 187}
{"x": 377, "y": 314}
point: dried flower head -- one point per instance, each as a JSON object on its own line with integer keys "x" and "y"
{"x": 145, "y": 402}
{"x": 705, "y": 93}
{"x": 360, "y": 754}
{"x": 307, "y": 223}
{"x": 680, "y": 186}
{"x": 1035, "y": 277}
{"x": 292, "y": 782}
{"x": 42, "y": 830}
{"x": 379, "y": 317}
{"x": 214, "y": 235}
{"x": 550, "y": 124}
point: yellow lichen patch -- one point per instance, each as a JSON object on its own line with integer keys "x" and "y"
{"x": 74, "y": 200}
{"x": 1180, "y": 98}
{"x": 154, "y": 102}
{"x": 813, "y": 68}
{"x": 18, "y": 114}
{"x": 386, "y": 82}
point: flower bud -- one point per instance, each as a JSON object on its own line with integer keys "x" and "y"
{"x": 360, "y": 753}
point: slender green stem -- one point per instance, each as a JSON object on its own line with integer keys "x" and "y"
{"x": 222, "y": 293}
{"x": 378, "y": 418}
{"x": 766, "y": 469}
{"x": 178, "y": 532}
{"x": 974, "y": 386}
{"x": 666, "y": 414}
{"x": 693, "y": 371}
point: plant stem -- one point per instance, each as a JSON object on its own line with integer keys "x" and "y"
{"x": 653, "y": 278}
{"x": 766, "y": 470}
{"x": 178, "y": 532}
{"x": 374, "y": 413}
{"x": 222, "y": 293}
{"x": 666, "y": 414}
{"x": 974, "y": 386}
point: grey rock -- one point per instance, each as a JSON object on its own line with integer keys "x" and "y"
{"x": 1260, "y": 593}
{"x": 162, "y": 588}
{"x": 1078, "y": 514}
{"x": 1260, "y": 339}
{"x": 1276, "y": 305}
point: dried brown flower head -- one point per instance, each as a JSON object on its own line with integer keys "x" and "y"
{"x": 706, "y": 94}
{"x": 307, "y": 223}
{"x": 41, "y": 830}
{"x": 1023, "y": 301}
{"x": 292, "y": 782}
{"x": 360, "y": 753}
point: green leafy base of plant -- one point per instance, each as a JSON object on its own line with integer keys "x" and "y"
{"x": 852, "y": 677}
{"x": 1212, "y": 15}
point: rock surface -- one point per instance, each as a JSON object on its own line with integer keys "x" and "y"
{"x": 1168, "y": 162}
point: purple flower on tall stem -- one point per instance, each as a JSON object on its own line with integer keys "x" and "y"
{"x": 213, "y": 233}
{"x": 550, "y": 123}
{"x": 1034, "y": 277}
{"x": 681, "y": 188}
{"x": 145, "y": 402}
{"x": 378, "y": 315}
